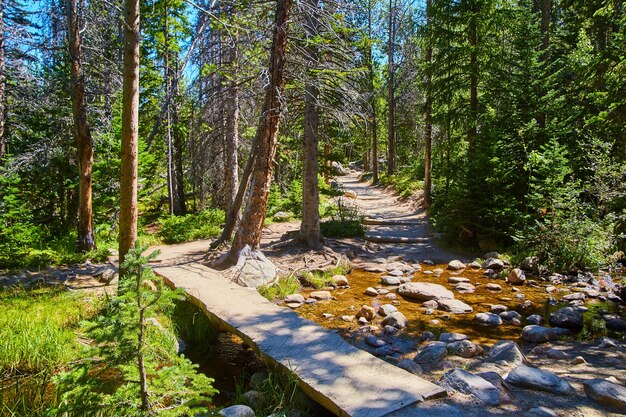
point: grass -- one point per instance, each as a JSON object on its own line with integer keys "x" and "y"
{"x": 203, "y": 225}
{"x": 321, "y": 279}
{"x": 403, "y": 183}
{"x": 284, "y": 287}
{"x": 192, "y": 325}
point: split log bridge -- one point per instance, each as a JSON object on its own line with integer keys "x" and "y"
{"x": 345, "y": 380}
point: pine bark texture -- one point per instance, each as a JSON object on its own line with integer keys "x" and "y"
{"x": 428, "y": 127}
{"x": 370, "y": 64}
{"x": 130, "y": 129}
{"x": 249, "y": 233}
{"x": 2, "y": 81}
{"x": 231, "y": 139}
{"x": 391, "y": 130}
{"x": 310, "y": 233}
{"x": 86, "y": 239}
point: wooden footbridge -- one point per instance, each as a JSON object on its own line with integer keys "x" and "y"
{"x": 345, "y": 380}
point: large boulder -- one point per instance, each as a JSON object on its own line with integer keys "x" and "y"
{"x": 488, "y": 319}
{"x": 470, "y": 384}
{"x": 431, "y": 354}
{"x": 533, "y": 378}
{"x": 253, "y": 269}
{"x": 493, "y": 264}
{"x": 531, "y": 264}
{"x": 455, "y": 265}
{"x": 566, "y": 318}
{"x": 386, "y": 309}
{"x": 424, "y": 291}
{"x": 616, "y": 325}
{"x": 540, "y": 334}
{"x": 454, "y": 306}
{"x": 516, "y": 277}
{"x": 367, "y": 312}
{"x": 606, "y": 393}
{"x": 509, "y": 351}
{"x": 397, "y": 320}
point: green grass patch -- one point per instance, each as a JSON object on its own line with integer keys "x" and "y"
{"x": 320, "y": 279}
{"x": 284, "y": 287}
{"x": 404, "y": 183}
{"x": 192, "y": 325}
{"x": 203, "y": 225}
{"x": 342, "y": 228}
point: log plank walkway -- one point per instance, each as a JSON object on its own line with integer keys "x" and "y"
{"x": 345, "y": 380}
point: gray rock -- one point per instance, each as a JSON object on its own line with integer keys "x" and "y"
{"x": 533, "y": 378}
{"x": 493, "y": 263}
{"x": 410, "y": 366}
{"x": 321, "y": 295}
{"x": 395, "y": 273}
{"x": 347, "y": 318}
{"x": 375, "y": 269}
{"x": 457, "y": 280}
{"x": 540, "y": 412}
{"x": 531, "y": 264}
{"x": 474, "y": 265}
{"x": 397, "y": 320}
{"x": 389, "y": 280}
{"x": 465, "y": 288}
{"x": 464, "y": 349}
{"x": 556, "y": 354}
{"x": 492, "y": 254}
{"x": 534, "y": 319}
{"x": 253, "y": 269}
{"x": 496, "y": 380}
{"x": 452, "y": 337}
{"x": 509, "y": 351}
{"x": 494, "y": 287}
{"x": 498, "y": 308}
{"x": 516, "y": 277}
{"x": 294, "y": 298}
{"x": 427, "y": 336}
{"x": 510, "y": 315}
{"x": 540, "y": 334}
{"x": 616, "y": 325}
{"x": 488, "y": 319}
{"x": 386, "y": 309}
{"x": 431, "y": 354}
{"x": 455, "y": 265}
{"x": 375, "y": 342}
{"x": 607, "y": 342}
{"x": 607, "y": 393}
{"x": 340, "y": 280}
{"x": 576, "y": 296}
{"x": 258, "y": 379}
{"x": 470, "y": 384}
{"x": 371, "y": 292}
{"x": 390, "y": 330}
{"x": 454, "y": 306}
{"x": 254, "y": 399}
{"x": 237, "y": 411}
{"x": 281, "y": 216}
{"x": 566, "y": 318}
{"x": 366, "y": 312}
{"x": 424, "y": 291}
{"x": 430, "y": 304}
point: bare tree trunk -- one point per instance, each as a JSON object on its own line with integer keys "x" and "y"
{"x": 310, "y": 233}
{"x": 473, "y": 41}
{"x": 391, "y": 131}
{"x": 428, "y": 127}
{"x": 249, "y": 233}
{"x": 370, "y": 64}
{"x": 180, "y": 206}
{"x": 2, "y": 81}
{"x": 130, "y": 132}
{"x": 231, "y": 171}
{"x": 545, "y": 7}
{"x": 85, "y": 240}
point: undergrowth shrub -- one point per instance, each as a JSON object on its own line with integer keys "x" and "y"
{"x": 345, "y": 221}
{"x": 203, "y": 225}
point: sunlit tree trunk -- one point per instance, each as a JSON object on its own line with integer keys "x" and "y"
{"x": 249, "y": 233}
{"x": 2, "y": 80}
{"x": 231, "y": 142}
{"x": 130, "y": 129}
{"x": 372, "y": 81}
{"x": 428, "y": 127}
{"x": 391, "y": 129}
{"x": 85, "y": 240}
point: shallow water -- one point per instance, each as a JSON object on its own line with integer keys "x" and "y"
{"x": 349, "y": 301}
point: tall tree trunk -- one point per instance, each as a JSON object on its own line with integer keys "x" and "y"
{"x": 2, "y": 80}
{"x": 130, "y": 129}
{"x": 310, "y": 233}
{"x": 249, "y": 233}
{"x": 473, "y": 104}
{"x": 391, "y": 130}
{"x": 180, "y": 207}
{"x": 231, "y": 172}
{"x": 545, "y": 7}
{"x": 85, "y": 240}
{"x": 372, "y": 81}
{"x": 428, "y": 110}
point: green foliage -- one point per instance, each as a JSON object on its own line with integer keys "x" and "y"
{"x": 283, "y": 287}
{"x": 320, "y": 279}
{"x": 125, "y": 336}
{"x": 280, "y": 394}
{"x": 405, "y": 182}
{"x": 192, "y": 325}
{"x": 345, "y": 222}
{"x": 203, "y": 225}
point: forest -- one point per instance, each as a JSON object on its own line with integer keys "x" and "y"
{"x": 130, "y": 124}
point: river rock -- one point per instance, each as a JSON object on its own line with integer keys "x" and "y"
{"x": 606, "y": 393}
{"x": 294, "y": 298}
{"x": 431, "y": 354}
{"x": 253, "y": 269}
{"x": 371, "y": 292}
{"x": 458, "y": 280}
{"x": 386, "y": 309}
{"x": 465, "y": 288}
{"x": 539, "y": 379}
{"x": 607, "y": 342}
{"x": 576, "y": 296}
{"x": 540, "y": 334}
{"x": 534, "y": 319}
{"x": 454, "y": 306}
{"x": 498, "y": 308}
{"x": 430, "y": 304}
{"x": 455, "y": 265}
{"x": 410, "y": 366}
{"x": 516, "y": 277}
{"x": 509, "y": 351}
{"x": 347, "y": 318}
{"x": 424, "y": 291}
{"x": 395, "y": 273}
{"x": 493, "y": 264}
{"x": 375, "y": 269}
{"x": 566, "y": 318}
{"x": 452, "y": 337}
{"x": 237, "y": 411}
{"x": 616, "y": 325}
{"x": 464, "y": 349}
{"x": 254, "y": 399}
{"x": 493, "y": 287}
{"x": 488, "y": 319}
{"x": 531, "y": 264}
{"x": 397, "y": 320}
{"x": 467, "y": 383}
{"x": 474, "y": 265}
{"x": 540, "y": 412}
{"x": 438, "y": 271}
{"x": 340, "y": 280}
{"x": 374, "y": 342}
{"x": 510, "y": 315}
{"x": 390, "y": 280}
{"x": 321, "y": 295}
{"x": 367, "y": 312}
{"x": 382, "y": 291}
